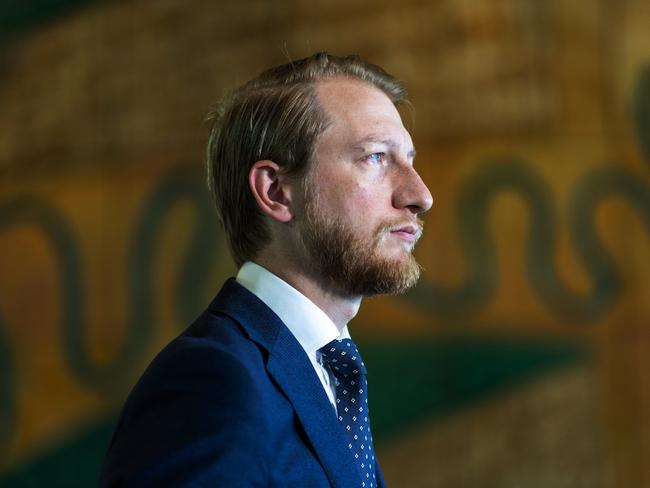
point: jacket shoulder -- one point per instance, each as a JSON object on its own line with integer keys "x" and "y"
{"x": 197, "y": 397}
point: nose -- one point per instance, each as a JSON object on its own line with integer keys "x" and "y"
{"x": 411, "y": 193}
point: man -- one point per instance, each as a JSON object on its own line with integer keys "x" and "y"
{"x": 312, "y": 173}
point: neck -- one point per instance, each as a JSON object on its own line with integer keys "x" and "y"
{"x": 339, "y": 307}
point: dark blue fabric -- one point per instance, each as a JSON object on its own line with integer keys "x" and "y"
{"x": 233, "y": 401}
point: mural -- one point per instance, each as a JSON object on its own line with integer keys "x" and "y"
{"x": 527, "y": 333}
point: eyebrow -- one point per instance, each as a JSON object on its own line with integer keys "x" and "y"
{"x": 361, "y": 145}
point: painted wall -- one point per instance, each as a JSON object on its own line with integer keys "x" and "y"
{"x": 526, "y": 339}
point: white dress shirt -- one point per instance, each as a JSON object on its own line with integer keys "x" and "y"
{"x": 311, "y": 327}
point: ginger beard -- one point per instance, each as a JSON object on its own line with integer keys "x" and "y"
{"x": 349, "y": 260}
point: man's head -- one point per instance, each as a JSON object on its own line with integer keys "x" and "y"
{"x": 362, "y": 195}
{"x": 313, "y": 121}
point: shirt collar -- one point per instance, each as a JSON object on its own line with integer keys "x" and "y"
{"x": 311, "y": 327}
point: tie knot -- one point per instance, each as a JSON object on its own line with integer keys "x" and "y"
{"x": 343, "y": 357}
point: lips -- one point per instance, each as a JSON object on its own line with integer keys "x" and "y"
{"x": 409, "y": 233}
{"x": 408, "y": 229}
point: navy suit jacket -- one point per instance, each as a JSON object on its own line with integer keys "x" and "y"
{"x": 233, "y": 401}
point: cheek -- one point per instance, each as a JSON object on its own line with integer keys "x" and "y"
{"x": 364, "y": 205}
{"x": 355, "y": 196}
{"x": 371, "y": 194}
{"x": 359, "y": 198}
{"x": 364, "y": 199}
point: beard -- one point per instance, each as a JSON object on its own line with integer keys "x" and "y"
{"x": 352, "y": 262}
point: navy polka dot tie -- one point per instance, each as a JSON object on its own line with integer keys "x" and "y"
{"x": 346, "y": 365}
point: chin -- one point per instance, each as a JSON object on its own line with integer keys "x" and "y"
{"x": 386, "y": 276}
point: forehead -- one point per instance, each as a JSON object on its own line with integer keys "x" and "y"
{"x": 358, "y": 111}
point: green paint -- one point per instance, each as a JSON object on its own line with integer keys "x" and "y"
{"x": 75, "y": 463}
{"x": 18, "y": 17}
{"x": 415, "y": 381}
{"x": 589, "y": 193}
{"x": 26, "y": 210}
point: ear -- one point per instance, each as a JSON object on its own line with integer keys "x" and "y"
{"x": 271, "y": 191}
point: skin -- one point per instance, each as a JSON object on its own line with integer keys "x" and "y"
{"x": 363, "y": 171}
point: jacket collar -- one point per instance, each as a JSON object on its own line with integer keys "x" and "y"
{"x": 289, "y": 366}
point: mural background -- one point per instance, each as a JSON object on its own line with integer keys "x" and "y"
{"x": 526, "y": 339}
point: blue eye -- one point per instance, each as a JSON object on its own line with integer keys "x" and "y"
{"x": 377, "y": 157}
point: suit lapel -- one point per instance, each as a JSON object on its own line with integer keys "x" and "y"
{"x": 290, "y": 367}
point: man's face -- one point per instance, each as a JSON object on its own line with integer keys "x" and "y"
{"x": 362, "y": 195}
